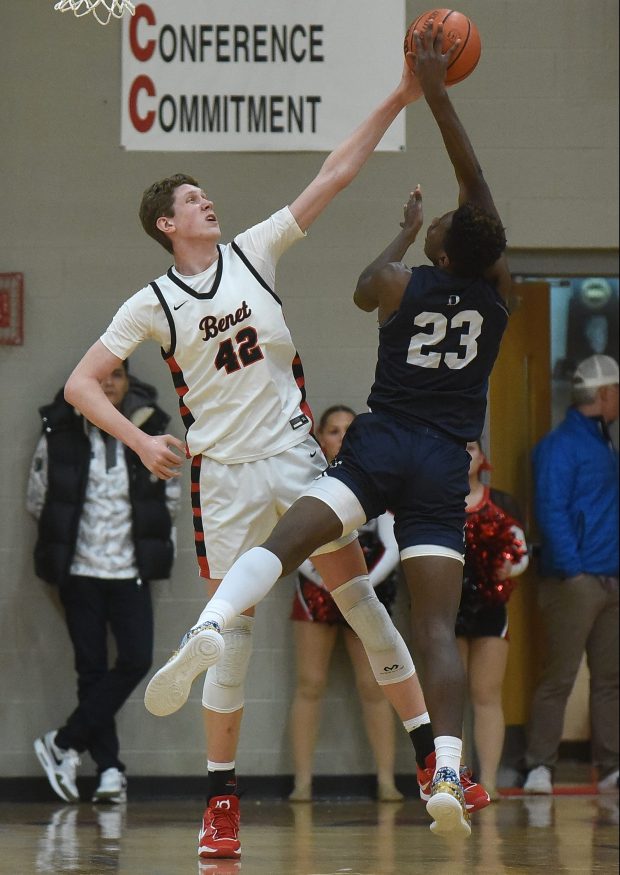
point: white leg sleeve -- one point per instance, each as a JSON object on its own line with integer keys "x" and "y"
{"x": 223, "y": 689}
{"x": 387, "y": 653}
{"x": 247, "y": 583}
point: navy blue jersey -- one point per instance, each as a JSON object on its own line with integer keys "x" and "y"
{"x": 437, "y": 351}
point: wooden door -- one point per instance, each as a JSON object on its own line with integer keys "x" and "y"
{"x": 519, "y": 415}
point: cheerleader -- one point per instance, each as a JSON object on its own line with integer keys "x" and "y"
{"x": 495, "y": 554}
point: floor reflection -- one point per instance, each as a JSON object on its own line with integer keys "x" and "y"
{"x": 551, "y": 835}
{"x": 81, "y": 839}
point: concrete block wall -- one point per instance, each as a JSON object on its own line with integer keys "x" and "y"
{"x": 541, "y": 110}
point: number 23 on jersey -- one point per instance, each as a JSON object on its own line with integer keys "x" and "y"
{"x": 420, "y": 350}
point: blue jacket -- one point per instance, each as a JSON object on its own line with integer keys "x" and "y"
{"x": 576, "y": 486}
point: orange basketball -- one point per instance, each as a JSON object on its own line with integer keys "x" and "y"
{"x": 455, "y": 26}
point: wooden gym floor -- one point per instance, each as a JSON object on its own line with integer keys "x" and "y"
{"x": 559, "y": 834}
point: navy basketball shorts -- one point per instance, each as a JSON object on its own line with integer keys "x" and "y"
{"x": 420, "y": 475}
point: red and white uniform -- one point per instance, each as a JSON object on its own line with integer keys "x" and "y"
{"x": 240, "y": 385}
{"x": 223, "y": 335}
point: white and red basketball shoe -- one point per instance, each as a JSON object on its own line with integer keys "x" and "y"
{"x": 219, "y": 833}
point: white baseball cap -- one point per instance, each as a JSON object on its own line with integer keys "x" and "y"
{"x": 598, "y": 370}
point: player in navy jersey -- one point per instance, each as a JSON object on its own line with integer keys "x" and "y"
{"x": 440, "y": 330}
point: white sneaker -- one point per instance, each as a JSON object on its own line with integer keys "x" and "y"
{"x": 609, "y": 784}
{"x": 112, "y": 787}
{"x": 447, "y": 805}
{"x": 169, "y": 688}
{"x": 60, "y": 766}
{"x": 539, "y": 780}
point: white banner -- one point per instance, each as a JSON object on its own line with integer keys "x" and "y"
{"x": 241, "y": 75}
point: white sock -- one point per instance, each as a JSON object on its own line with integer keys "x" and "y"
{"x": 220, "y": 767}
{"x": 246, "y": 584}
{"x": 448, "y": 751}
{"x": 416, "y": 722}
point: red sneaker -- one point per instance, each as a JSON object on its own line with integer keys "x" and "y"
{"x": 425, "y": 777}
{"x": 476, "y": 797}
{"x": 219, "y": 834}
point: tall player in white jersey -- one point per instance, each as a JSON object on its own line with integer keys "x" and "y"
{"x": 219, "y": 324}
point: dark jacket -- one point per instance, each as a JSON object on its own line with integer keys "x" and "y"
{"x": 68, "y": 448}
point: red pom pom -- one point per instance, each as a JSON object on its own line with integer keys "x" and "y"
{"x": 489, "y": 543}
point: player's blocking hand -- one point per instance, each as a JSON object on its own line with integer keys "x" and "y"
{"x": 409, "y": 83}
{"x": 159, "y": 457}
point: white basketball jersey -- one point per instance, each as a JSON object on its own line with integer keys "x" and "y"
{"x": 222, "y": 333}
{"x": 233, "y": 363}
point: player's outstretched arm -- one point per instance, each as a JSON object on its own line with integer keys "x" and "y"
{"x": 431, "y": 65}
{"x": 83, "y": 390}
{"x": 343, "y": 164}
{"x": 383, "y": 282}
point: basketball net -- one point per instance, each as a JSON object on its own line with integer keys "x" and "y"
{"x": 103, "y": 10}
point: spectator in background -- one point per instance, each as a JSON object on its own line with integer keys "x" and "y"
{"x": 495, "y": 553}
{"x": 576, "y": 484}
{"x": 317, "y": 620}
{"x": 105, "y": 531}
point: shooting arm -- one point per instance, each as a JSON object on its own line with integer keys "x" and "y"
{"x": 431, "y": 66}
{"x": 473, "y": 187}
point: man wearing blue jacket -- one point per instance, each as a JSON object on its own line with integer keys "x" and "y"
{"x": 576, "y": 486}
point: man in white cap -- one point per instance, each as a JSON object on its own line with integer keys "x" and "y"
{"x": 576, "y": 485}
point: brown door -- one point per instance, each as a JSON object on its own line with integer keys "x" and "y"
{"x": 519, "y": 415}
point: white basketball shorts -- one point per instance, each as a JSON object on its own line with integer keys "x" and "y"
{"x": 235, "y": 507}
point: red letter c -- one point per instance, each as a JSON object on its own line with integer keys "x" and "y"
{"x": 142, "y": 123}
{"x": 142, "y": 53}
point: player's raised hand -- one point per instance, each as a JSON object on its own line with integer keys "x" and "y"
{"x": 409, "y": 84}
{"x": 430, "y": 62}
{"x": 158, "y": 456}
{"x": 413, "y": 214}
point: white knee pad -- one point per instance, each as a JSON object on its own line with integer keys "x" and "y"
{"x": 342, "y": 500}
{"x": 387, "y": 653}
{"x": 223, "y": 689}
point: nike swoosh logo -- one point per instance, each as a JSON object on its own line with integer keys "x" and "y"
{"x": 312, "y": 455}
{"x": 178, "y": 306}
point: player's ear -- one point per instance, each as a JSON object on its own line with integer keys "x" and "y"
{"x": 164, "y": 224}
{"x": 443, "y": 261}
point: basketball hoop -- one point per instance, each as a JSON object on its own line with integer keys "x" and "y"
{"x": 103, "y": 10}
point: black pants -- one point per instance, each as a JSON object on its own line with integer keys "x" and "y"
{"x": 91, "y": 606}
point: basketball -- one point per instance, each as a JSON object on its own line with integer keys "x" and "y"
{"x": 455, "y": 26}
